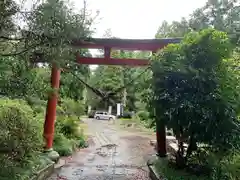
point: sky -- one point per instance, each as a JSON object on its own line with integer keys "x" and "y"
{"x": 134, "y": 19}
{"x": 137, "y": 19}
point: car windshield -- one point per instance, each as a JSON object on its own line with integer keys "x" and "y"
{"x": 105, "y": 113}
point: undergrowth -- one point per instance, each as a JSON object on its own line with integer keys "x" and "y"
{"x": 21, "y": 142}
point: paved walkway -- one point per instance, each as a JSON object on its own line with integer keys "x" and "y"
{"x": 112, "y": 154}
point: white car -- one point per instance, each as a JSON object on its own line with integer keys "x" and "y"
{"x": 104, "y": 116}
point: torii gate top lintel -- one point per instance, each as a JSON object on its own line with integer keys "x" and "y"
{"x": 125, "y": 44}
{"x": 120, "y": 44}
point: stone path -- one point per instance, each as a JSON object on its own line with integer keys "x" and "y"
{"x": 113, "y": 154}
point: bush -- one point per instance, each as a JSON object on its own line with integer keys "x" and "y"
{"x": 196, "y": 92}
{"x": 68, "y": 135}
{"x": 72, "y": 107}
{"x": 20, "y": 136}
{"x": 62, "y": 144}
{"x": 127, "y": 115}
{"x": 65, "y": 146}
{"x": 68, "y": 126}
{"x": 38, "y": 105}
{"x": 20, "y": 131}
{"x": 60, "y": 111}
{"x": 164, "y": 168}
{"x": 143, "y": 115}
{"x": 32, "y": 101}
{"x": 81, "y": 142}
{"x": 227, "y": 168}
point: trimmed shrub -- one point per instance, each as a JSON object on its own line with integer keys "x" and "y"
{"x": 20, "y": 136}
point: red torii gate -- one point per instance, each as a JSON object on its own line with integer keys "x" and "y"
{"x": 107, "y": 44}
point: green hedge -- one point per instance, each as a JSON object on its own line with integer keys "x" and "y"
{"x": 20, "y": 137}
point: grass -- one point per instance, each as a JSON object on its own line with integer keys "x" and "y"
{"x": 126, "y": 120}
{"x": 163, "y": 168}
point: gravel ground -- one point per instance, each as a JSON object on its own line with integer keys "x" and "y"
{"x": 113, "y": 154}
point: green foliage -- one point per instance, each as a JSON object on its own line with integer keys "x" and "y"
{"x": 68, "y": 125}
{"x": 226, "y": 168}
{"x": 68, "y": 135}
{"x": 190, "y": 94}
{"x": 7, "y": 9}
{"x": 81, "y": 142}
{"x": 63, "y": 145}
{"x": 130, "y": 84}
{"x": 20, "y": 136}
{"x": 38, "y": 105}
{"x": 71, "y": 107}
{"x": 51, "y": 25}
{"x": 20, "y": 131}
{"x": 70, "y": 87}
{"x": 29, "y": 166}
{"x": 219, "y": 14}
{"x": 107, "y": 79}
{"x": 229, "y": 167}
{"x": 164, "y": 168}
{"x": 143, "y": 115}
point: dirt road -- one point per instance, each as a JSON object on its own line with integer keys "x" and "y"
{"x": 112, "y": 154}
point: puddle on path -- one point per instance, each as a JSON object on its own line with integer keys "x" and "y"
{"x": 104, "y": 164}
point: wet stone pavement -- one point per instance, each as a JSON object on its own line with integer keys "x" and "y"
{"x": 111, "y": 155}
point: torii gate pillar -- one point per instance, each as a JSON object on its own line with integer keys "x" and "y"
{"x": 51, "y": 112}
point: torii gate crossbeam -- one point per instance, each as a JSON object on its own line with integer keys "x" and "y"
{"x": 107, "y": 44}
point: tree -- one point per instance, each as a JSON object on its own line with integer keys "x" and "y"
{"x": 50, "y": 28}
{"x": 8, "y": 9}
{"x": 196, "y": 92}
{"x": 175, "y": 29}
{"x": 123, "y": 84}
{"x": 107, "y": 79}
{"x": 222, "y": 15}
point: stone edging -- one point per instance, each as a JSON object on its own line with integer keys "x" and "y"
{"x": 154, "y": 175}
{"x": 43, "y": 173}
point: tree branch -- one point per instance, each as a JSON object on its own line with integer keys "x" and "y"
{"x": 23, "y": 51}
{"x": 11, "y": 39}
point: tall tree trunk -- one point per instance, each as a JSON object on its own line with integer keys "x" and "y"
{"x": 124, "y": 99}
{"x": 180, "y": 160}
{"x": 192, "y": 146}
